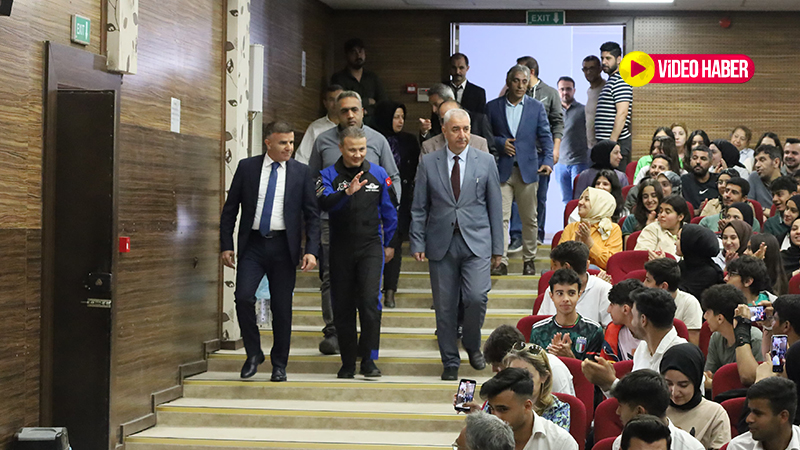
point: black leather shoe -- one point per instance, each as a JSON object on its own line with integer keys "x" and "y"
{"x": 450, "y": 373}
{"x": 278, "y": 374}
{"x": 476, "y": 360}
{"x": 329, "y": 345}
{"x": 388, "y": 299}
{"x": 529, "y": 268}
{"x": 250, "y": 366}
{"x": 369, "y": 369}
{"x": 502, "y": 269}
{"x": 346, "y": 372}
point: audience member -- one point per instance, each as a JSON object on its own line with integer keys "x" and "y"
{"x": 670, "y": 183}
{"x": 793, "y": 371}
{"x": 471, "y": 96}
{"x": 574, "y": 154}
{"x": 740, "y": 138}
{"x": 324, "y": 123}
{"x": 438, "y": 142}
{"x": 662, "y": 147}
{"x": 646, "y": 392}
{"x": 769, "y": 138}
{"x": 729, "y": 157}
{"x": 767, "y": 168}
{"x": 607, "y": 180}
{"x": 535, "y": 360}
{"x": 654, "y": 148}
{"x": 734, "y": 191}
{"x": 782, "y": 188}
{"x": 519, "y": 174}
{"x": 645, "y": 211}
{"x": 785, "y": 314}
{"x": 355, "y": 78}
{"x": 665, "y": 273}
{"x": 698, "y": 246}
{"x": 593, "y": 72}
{"x": 735, "y": 238}
{"x": 461, "y": 240}
{"x": 619, "y": 342}
{"x": 791, "y": 254}
{"x": 660, "y": 163}
{"x": 681, "y": 132}
{"x": 593, "y": 302}
{"x": 653, "y": 313}
{"x": 437, "y": 95}
{"x": 733, "y": 339}
{"x": 714, "y": 206}
{"x": 486, "y": 432}
{"x": 699, "y": 184}
{"x": 567, "y": 333}
{"x": 766, "y": 247}
{"x": 510, "y": 395}
{"x": 773, "y": 406}
{"x": 615, "y": 104}
{"x": 646, "y": 432}
{"x": 595, "y": 229}
{"x": 389, "y": 121}
{"x": 707, "y": 421}
{"x": 605, "y": 155}
{"x": 791, "y": 156}
{"x": 661, "y": 236}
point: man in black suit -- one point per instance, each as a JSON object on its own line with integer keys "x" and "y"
{"x": 471, "y": 96}
{"x": 440, "y": 93}
{"x": 276, "y": 194}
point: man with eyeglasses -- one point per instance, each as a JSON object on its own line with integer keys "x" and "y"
{"x": 594, "y": 75}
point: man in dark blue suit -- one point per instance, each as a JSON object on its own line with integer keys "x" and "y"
{"x": 276, "y": 194}
{"x": 519, "y": 123}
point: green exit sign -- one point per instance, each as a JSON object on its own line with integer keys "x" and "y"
{"x": 81, "y": 30}
{"x": 545, "y": 17}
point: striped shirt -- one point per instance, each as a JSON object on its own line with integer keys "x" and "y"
{"x": 616, "y": 90}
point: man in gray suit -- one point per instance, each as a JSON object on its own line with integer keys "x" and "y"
{"x": 437, "y": 142}
{"x": 458, "y": 224}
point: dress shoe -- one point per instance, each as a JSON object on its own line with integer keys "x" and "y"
{"x": 515, "y": 245}
{"x": 369, "y": 369}
{"x": 329, "y": 345}
{"x": 346, "y": 372}
{"x": 388, "y": 299}
{"x": 278, "y": 374}
{"x": 529, "y": 268}
{"x": 250, "y": 366}
{"x": 450, "y": 373}
{"x": 502, "y": 269}
{"x": 476, "y": 360}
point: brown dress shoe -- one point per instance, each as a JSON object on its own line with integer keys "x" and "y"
{"x": 529, "y": 268}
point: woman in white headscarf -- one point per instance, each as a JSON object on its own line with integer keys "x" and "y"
{"x": 595, "y": 229}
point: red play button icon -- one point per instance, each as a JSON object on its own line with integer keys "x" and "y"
{"x": 636, "y": 68}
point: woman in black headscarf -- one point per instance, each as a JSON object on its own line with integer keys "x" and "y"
{"x": 389, "y": 121}
{"x": 606, "y": 154}
{"x": 698, "y": 245}
{"x": 682, "y": 367}
{"x": 730, "y": 155}
{"x": 791, "y": 255}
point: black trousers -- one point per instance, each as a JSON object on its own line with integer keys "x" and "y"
{"x": 356, "y": 286}
{"x": 391, "y": 270}
{"x": 266, "y": 256}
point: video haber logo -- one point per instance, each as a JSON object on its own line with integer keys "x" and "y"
{"x": 639, "y": 68}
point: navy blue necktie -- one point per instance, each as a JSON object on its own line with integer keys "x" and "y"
{"x": 266, "y": 211}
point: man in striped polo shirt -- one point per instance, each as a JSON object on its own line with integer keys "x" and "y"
{"x": 613, "y": 117}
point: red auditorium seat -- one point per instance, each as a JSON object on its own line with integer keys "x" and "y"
{"x": 696, "y": 220}
{"x": 622, "y": 368}
{"x": 734, "y": 408}
{"x": 680, "y": 328}
{"x": 691, "y": 209}
{"x": 759, "y": 210}
{"x": 619, "y": 264}
{"x": 773, "y": 210}
{"x": 584, "y": 390}
{"x": 578, "y": 427}
{"x": 574, "y": 187}
{"x": 607, "y": 423}
{"x": 621, "y": 220}
{"x": 725, "y": 379}
{"x": 571, "y": 205}
{"x": 630, "y": 243}
{"x": 625, "y": 190}
{"x": 525, "y": 324}
{"x": 705, "y": 337}
{"x": 794, "y": 284}
{"x": 639, "y": 274}
{"x": 607, "y": 444}
{"x": 556, "y": 239}
{"x": 630, "y": 171}
{"x": 538, "y": 304}
{"x": 724, "y": 446}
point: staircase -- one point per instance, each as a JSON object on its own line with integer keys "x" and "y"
{"x": 410, "y": 407}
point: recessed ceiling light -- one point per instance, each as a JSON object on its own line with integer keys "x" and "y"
{"x": 641, "y": 1}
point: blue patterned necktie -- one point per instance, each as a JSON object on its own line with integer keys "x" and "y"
{"x": 266, "y": 212}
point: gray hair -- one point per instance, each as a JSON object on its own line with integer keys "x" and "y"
{"x": 516, "y": 69}
{"x": 352, "y": 133}
{"x": 442, "y": 90}
{"x": 455, "y": 112}
{"x": 488, "y": 432}
{"x": 348, "y": 94}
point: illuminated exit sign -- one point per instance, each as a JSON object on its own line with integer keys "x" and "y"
{"x": 81, "y": 30}
{"x": 545, "y": 17}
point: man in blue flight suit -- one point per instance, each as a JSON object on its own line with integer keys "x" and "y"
{"x": 358, "y": 197}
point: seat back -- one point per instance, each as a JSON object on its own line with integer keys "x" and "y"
{"x": 578, "y": 427}
{"x": 726, "y": 378}
{"x": 606, "y": 444}
{"x": 759, "y": 211}
{"x": 696, "y": 220}
{"x": 630, "y": 171}
{"x": 584, "y": 390}
{"x": 619, "y": 264}
{"x": 630, "y": 243}
{"x": 525, "y": 324}
{"x": 622, "y": 368}
{"x": 607, "y": 423}
{"x": 622, "y": 219}
{"x": 626, "y": 190}
{"x": 680, "y": 328}
{"x": 575, "y": 193}
{"x": 705, "y": 337}
{"x": 690, "y": 207}
{"x": 544, "y": 281}
{"x": 639, "y": 274}
{"x": 571, "y": 205}
{"x": 556, "y": 239}
{"x": 537, "y": 305}
{"x": 794, "y": 284}
{"x": 734, "y": 408}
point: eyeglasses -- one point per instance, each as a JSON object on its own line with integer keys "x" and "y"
{"x": 533, "y": 349}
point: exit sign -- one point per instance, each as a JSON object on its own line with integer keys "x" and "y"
{"x": 81, "y": 30}
{"x": 545, "y": 17}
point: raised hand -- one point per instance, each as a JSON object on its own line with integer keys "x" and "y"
{"x": 356, "y": 184}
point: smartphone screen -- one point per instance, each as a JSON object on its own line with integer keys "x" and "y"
{"x": 465, "y": 394}
{"x": 779, "y": 345}
{"x": 756, "y": 313}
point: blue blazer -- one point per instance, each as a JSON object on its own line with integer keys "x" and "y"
{"x": 300, "y": 202}
{"x": 533, "y": 129}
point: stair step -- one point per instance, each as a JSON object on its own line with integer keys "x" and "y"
{"x": 402, "y": 417}
{"x": 410, "y": 264}
{"x": 422, "y": 298}
{"x": 391, "y": 362}
{"x": 421, "y": 280}
{"x": 191, "y": 438}
{"x": 409, "y": 317}
{"x": 323, "y": 387}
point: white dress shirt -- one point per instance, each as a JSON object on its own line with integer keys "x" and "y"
{"x": 642, "y": 359}
{"x": 592, "y": 304}
{"x": 276, "y": 221}
{"x": 681, "y": 440}
{"x": 459, "y": 92}
{"x": 317, "y": 127}
{"x": 462, "y": 163}
{"x": 562, "y": 377}
{"x": 688, "y": 310}
{"x": 746, "y": 442}
{"x": 549, "y": 436}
